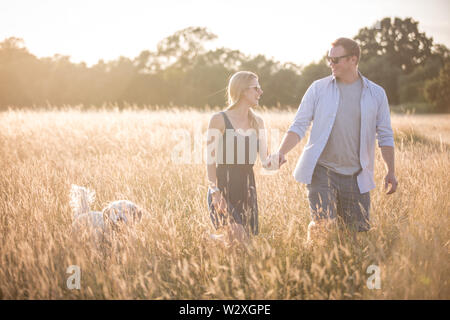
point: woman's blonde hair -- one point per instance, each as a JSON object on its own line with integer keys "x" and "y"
{"x": 236, "y": 86}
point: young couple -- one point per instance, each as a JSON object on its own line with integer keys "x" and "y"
{"x": 348, "y": 112}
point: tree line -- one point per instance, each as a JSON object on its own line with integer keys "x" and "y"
{"x": 181, "y": 72}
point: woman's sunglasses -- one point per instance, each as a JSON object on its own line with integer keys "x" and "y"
{"x": 335, "y": 60}
{"x": 258, "y": 87}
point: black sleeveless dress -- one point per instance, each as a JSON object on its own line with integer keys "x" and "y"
{"x": 236, "y": 156}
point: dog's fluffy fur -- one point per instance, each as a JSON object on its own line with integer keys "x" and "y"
{"x": 116, "y": 212}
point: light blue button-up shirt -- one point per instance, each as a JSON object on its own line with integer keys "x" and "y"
{"x": 319, "y": 105}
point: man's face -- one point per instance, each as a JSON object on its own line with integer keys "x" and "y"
{"x": 344, "y": 65}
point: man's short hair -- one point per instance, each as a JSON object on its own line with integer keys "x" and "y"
{"x": 350, "y": 46}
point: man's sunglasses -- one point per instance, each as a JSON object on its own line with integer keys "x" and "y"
{"x": 335, "y": 60}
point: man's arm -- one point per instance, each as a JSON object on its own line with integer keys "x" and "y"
{"x": 302, "y": 121}
{"x": 389, "y": 158}
{"x": 385, "y": 138}
{"x": 290, "y": 140}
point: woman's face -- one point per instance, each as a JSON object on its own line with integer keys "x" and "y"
{"x": 252, "y": 93}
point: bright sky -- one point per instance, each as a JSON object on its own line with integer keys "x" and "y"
{"x": 295, "y": 31}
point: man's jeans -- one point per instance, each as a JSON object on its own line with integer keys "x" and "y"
{"x": 332, "y": 195}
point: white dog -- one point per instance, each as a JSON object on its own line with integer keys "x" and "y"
{"x": 115, "y": 213}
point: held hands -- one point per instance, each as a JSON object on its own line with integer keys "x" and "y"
{"x": 390, "y": 179}
{"x": 274, "y": 161}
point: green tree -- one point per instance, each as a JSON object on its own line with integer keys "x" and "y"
{"x": 312, "y": 72}
{"x": 399, "y": 40}
{"x": 437, "y": 91}
{"x": 380, "y": 70}
{"x": 284, "y": 86}
{"x": 182, "y": 72}
{"x": 411, "y": 86}
{"x": 183, "y": 46}
{"x": 20, "y": 73}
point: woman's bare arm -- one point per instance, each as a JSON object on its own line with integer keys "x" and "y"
{"x": 215, "y": 129}
{"x": 262, "y": 137}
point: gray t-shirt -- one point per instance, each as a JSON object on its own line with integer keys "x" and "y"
{"x": 341, "y": 153}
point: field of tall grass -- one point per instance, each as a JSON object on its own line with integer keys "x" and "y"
{"x": 129, "y": 155}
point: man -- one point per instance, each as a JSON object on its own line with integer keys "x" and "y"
{"x": 348, "y": 112}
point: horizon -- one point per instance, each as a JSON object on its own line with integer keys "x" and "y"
{"x": 89, "y": 35}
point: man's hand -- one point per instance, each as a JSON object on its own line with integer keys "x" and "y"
{"x": 281, "y": 159}
{"x": 390, "y": 179}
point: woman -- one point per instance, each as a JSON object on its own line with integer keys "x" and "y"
{"x": 234, "y": 137}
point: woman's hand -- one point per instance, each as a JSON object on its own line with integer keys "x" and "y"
{"x": 274, "y": 161}
{"x": 266, "y": 163}
{"x": 219, "y": 202}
